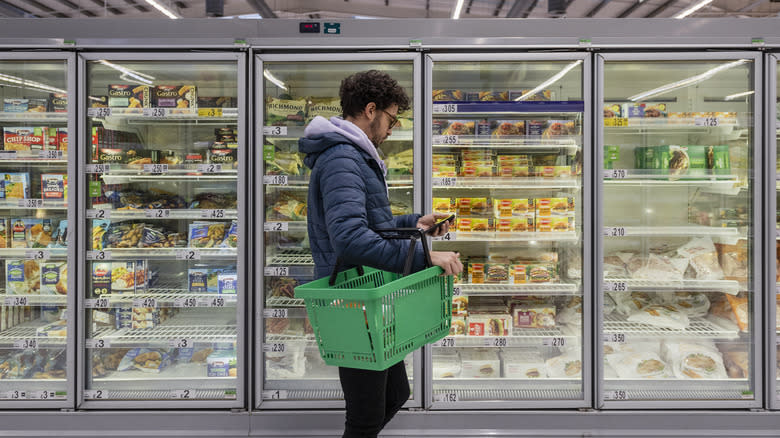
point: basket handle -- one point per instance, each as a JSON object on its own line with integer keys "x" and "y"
{"x": 413, "y": 234}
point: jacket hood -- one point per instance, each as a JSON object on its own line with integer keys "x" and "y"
{"x": 322, "y": 133}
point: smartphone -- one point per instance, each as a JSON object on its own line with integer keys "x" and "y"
{"x": 437, "y": 225}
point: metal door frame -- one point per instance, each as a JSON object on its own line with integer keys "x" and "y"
{"x": 770, "y": 140}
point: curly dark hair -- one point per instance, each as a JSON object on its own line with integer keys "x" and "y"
{"x": 375, "y": 86}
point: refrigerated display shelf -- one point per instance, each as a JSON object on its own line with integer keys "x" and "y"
{"x": 177, "y": 375}
{"x": 32, "y": 300}
{"x": 631, "y": 179}
{"x": 166, "y": 253}
{"x": 162, "y": 336}
{"x": 549, "y": 337}
{"x": 30, "y": 159}
{"x": 475, "y": 394}
{"x": 162, "y": 394}
{"x": 455, "y": 183}
{"x": 33, "y": 253}
{"x": 29, "y": 389}
{"x": 454, "y": 108}
{"x": 519, "y": 289}
{"x": 505, "y": 142}
{"x": 167, "y": 298}
{"x": 184, "y": 213}
{"x": 675, "y": 125}
{"x": 699, "y": 328}
{"x": 677, "y": 389}
{"x": 275, "y": 226}
{"x": 455, "y": 237}
{"x": 33, "y": 117}
{"x": 29, "y": 331}
{"x": 294, "y": 133}
{"x": 33, "y": 204}
{"x": 292, "y": 257}
{"x": 613, "y": 231}
{"x": 129, "y": 175}
{"x": 312, "y": 394}
{"x": 302, "y": 182}
{"x": 149, "y": 115}
{"x": 284, "y": 302}
{"x": 629, "y": 284}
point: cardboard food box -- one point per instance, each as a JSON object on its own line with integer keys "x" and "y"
{"x": 493, "y": 96}
{"x": 53, "y": 185}
{"x": 489, "y": 324}
{"x": 25, "y": 138}
{"x": 442, "y": 205}
{"x": 522, "y": 364}
{"x": 129, "y": 96}
{"x": 444, "y": 171}
{"x": 548, "y": 207}
{"x": 480, "y": 363}
{"x": 533, "y": 315}
{"x": 472, "y": 170}
{"x": 459, "y": 127}
{"x": 58, "y": 102}
{"x": 15, "y": 105}
{"x": 476, "y": 270}
{"x": 175, "y": 96}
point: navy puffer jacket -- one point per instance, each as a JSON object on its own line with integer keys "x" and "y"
{"x": 347, "y": 199}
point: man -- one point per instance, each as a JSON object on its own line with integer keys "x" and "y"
{"x": 348, "y": 199}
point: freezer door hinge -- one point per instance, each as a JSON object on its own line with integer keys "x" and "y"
{"x": 238, "y": 410}
{"x": 586, "y": 410}
{"x": 757, "y": 410}
{"x": 67, "y": 410}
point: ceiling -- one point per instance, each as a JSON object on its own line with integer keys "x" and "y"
{"x": 321, "y": 9}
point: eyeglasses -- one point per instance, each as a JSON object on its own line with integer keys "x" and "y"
{"x": 393, "y": 119}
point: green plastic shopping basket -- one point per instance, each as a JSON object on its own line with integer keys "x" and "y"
{"x": 371, "y": 319}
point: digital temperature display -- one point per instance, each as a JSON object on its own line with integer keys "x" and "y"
{"x": 309, "y": 27}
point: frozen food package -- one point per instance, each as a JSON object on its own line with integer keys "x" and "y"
{"x": 175, "y": 96}
{"x": 54, "y": 278}
{"x": 567, "y": 365}
{"x": 609, "y": 304}
{"x": 323, "y": 106}
{"x": 15, "y": 185}
{"x": 22, "y": 277}
{"x": 25, "y": 138}
{"x": 285, "y": 111}
{"x": 557, "y": 128}
{"x": 695, "y": 361}
{"x": 129, "y": 96}
{"x": 489, "y": 324}
{"x": 206, "y": 235}
{"x": 614, "y": 267}
{"x": 571, "y": 312}
{"x": 533, "y": 315}
{"x": 231, "y": 239}
{"x": 458, "y": 325}
{"x": 224, "y": 364}
{"x": 629, "y": 303}
{"x": 661, "y": 315}
{"x": 448, "y": 95}
{"x": 655, "y": 267}
{"x": 734, "y": 260}
{"x": 693, "y": 304}
{"x": 737, "y": 363}
{"x": 290, "y": 364}
{"x": 639, "y": 365}
{"x": 507, "y": 128}
{"x": 480, "y": 363}
{"x": 574, "y": 263}
{"x": 446, "y": 367}
{"x": 741, "y": 310}
{"x": 524, "y": 363}
{"x": 459, "y": 127}
{"x": 145, "y": 359}
{"x": 703, "y": 257}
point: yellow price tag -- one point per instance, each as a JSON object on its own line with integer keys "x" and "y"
{"x": 616, "y": 121}
{"x": 209, "y": 112}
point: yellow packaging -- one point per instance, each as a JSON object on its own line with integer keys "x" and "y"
{"x": 515, "y": 224}
{"x": 560, "y": 224}
{"x": 518, "y": 274}
{"x": 476, "y": 171}
{"x": 479, "y": 205}
{"x": 443, "y": 160}
{"x": 553, "y": 171}
{"x": 514, "y": 171}
{"x": 512, "y": 160}
{"x": 479, "y": 225}
{"x": 476, "y": 155}
{"x": 544, "y": 224}
{"x": 464, "y": 225}
{"x": 547, "y": 207}
{"x": 442, "y": 205}
{"x": 476, "y": 272}
{"x": 512, "y": 207}
{"x": 460, "y": 305}
{"x": 444, "y": 171}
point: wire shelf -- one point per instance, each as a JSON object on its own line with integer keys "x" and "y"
{"x": 291, "y": 257}
{"x": 727, "y": 286}
{"x": 519, "y": 289}
{"x": 284, "y": 302}
{"x": 698, "y": 328}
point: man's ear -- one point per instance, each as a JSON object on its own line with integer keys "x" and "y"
{"x": 370, "y": 111}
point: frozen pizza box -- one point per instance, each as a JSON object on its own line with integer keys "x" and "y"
{"x": 24, "y": 138}
{"x": 175, "y": 96}
{"x": 129, "y": 96}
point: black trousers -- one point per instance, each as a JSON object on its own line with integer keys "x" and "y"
{"x": 373, "y": 398}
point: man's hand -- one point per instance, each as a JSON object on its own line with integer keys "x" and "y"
{"x": 449, "y": 261}
{"x": 429, "y": 220}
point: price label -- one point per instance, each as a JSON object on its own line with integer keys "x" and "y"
{"x": 98, "y": 255}
{"x": 23, "y": 301}
{"x": 41, "y": 395}
{"x": 275, "y": 130}
{"x": 276, "y": 271}
{"x": 185, "y": 302}
{"x": 450, "y": 397}
{"x": 209, "y": 168}
{"x": 7, "y": 155}
{"x": 615, "y": 395}
{"x": 445, "y": 139}
{"x": 187, "y": 254}
{"x": 30, "y": 203}
{"x": 158, "y": 213}
{"x": 98, "y": 343}
{"x": 95, "y": 394}
{"x": 99, "y": 112}
{"x": 156, "y": 168}
{"x": 276, "y": 180}
{"x": 618, "y": 338}
{"x": 496, "y": 342}
{"x": 614, "y": 231}
{"x": 155, "y": 112}
{"x": 216, "y": 213}
{"x": 209, "y": 112}
{"x": 13, "y": 395}
{"x": 275, "y": 313}
{"x": 275, "y": 226}
{"x": 616, "y": 174}
{"x": 97, "y": 168}
{"x": 182, "y": 394}
{"x": 37, "y": 255}
{"x": 444, "y": 182}
{"x": 615, "y": 286}
{"x": 98, "y": 214}
{"x": 145, "y": 302}
{"x": 706, "y": 121}
{"x": 748, "y": 395}
{"x": 616, "y": 121}
{"x": 456, "y": 291}
{"x": 26, "y": 344}
{"x": 96, "y": 303}
{"x": 274, "y": 348}
{"x": 445, "y": 343}
{"x": 554, "y": 342}
{"x": 180, "y": 343}
{"x": 445, "y": 108}
{"x": 215, "y": 302}
{"x": 279, "y": 394}
{"x": 449, "y": 236}
{"x": 50, "y": 155}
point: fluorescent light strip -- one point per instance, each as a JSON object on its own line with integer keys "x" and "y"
{"x": 550, "y": 81}
{"x": 738, "y": 95}
{"x": 24, "y": 83}
{"x": 693, "y": 9}
{"x": 686, "y": 82}
{"x": 456, "y": 12}
{"x": 126, "y": 72}
{"x": 274, "y": 80}
{"x": 168, "y": 13}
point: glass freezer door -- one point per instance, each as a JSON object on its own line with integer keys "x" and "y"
{"x": 507, "y": 159}
{"x": 163, "y": 228}
{"x": 292, "y": 93}
{"x": 678, "y": 198}
{"x": 773, "y": 139}
{"x": 35, "y": 316}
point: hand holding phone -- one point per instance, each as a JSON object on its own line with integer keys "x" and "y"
{"x": 433, "y": 230}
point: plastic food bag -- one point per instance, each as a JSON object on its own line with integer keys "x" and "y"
{"x": 627, "y": 304}
{"x": 693, "y": 304}
{"x": 644, "y": 365}
{"x": 739, "y": 305}
{"x": 290, "y": 364}
{"x": 695, "y": 361}
{"x": 571, "y": 313}
{"x": 659, "y": 267}
{"x": 664, "y": 316}
{"x": 567, "y": 365}
{"x": 703, "y": 258}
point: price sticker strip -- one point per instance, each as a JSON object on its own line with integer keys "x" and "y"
{"x": 275, "y": 130}
{"x": 279, "y": 394}
{"x": 449, "y": 236}
{"x": 446, "y": 139}
{"x": 97, "y": 343}
{"x": 618, "y": 338}
{"x": 187, "y": 254}
{"x": 456, "y": 291}
{"x": 444, "y": 181}
{"x": 155, "y": 168}
{"x": 30, "y": 203}
{"x": 47, "y": 395}
{"x": 276, "y": 271}
{"x": 158, "y": 213}
{"x": 615, "y": 232}
{"x": 13, "y": 395}
{"x": 210, "y": 168}
{"x": 145, "y": 302}
{"x": 97, "y": 303}
{"x": 156, "y": 112}
{"x": 98, "y": 214}
{"x": 211, "y": 302}
{"x": 274, "y": 348}
{"x": 276, "y": 226}
{"x": 96, "y": 394}
{"x": 22, "y": 301}
{"x": 180, "y": 343}
{"x": 275, "y": 180}
{"x": 98, "y": 255}
{"x": 615, "y": 286}
{"x": 445, "y": 108}
{"x": 275, "y": 313}
{"x": 99, "y": 112}
{"x": 706, "y": 121}
{"x": 97, "y": 168}
{"x": 182, "y": 394}
{"x": 615, "y": 395}
{"x": 495, "y": 342}
{"x": 26, "y": 344}
{"x": 213, "y": 214}
{"x": 37, "y": 254}
{"x": 615, "y": 174}
{"x": 446, "y": 342}
{"x": 185, "y": 302}
{"x": 554, "y": 342}
{"x": 451, "y": 397}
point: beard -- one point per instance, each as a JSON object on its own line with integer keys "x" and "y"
{"x": 376, "y": 136}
